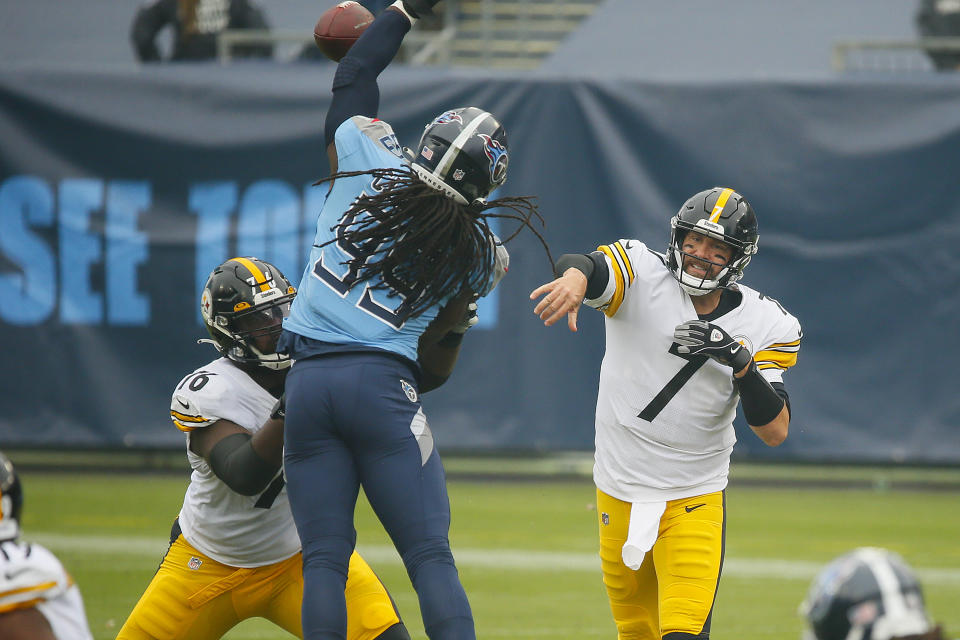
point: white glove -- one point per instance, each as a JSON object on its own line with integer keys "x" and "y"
{"x": 470, "y": 318}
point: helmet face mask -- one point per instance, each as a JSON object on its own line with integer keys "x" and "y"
{"x": 463, "y": 154}
{"x": 721, "y": 214}
{"x": 11, "y": 500}
{"x": 868, "y": 594}
{"x": 243, "y": 306}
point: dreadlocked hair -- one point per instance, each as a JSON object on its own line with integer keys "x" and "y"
{"x": 420, "y": 243}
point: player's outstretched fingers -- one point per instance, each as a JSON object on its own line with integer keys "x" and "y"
{"x": 572, "y": 318}
{"x": 547, "y": 301}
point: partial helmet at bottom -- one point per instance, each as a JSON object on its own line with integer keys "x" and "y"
{"x": 11, "y": 500}
{"x": 867, "y": 594}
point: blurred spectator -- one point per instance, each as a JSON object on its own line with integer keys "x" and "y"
{"x": 38, "y": 598}
{"x": 867, "y": 594}
{"x": 196, "y": 24}
{"x": 940, "y": 19}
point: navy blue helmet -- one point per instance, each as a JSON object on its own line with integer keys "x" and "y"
{"x": 462, "y": 153}
{"x": 867, "y": 594}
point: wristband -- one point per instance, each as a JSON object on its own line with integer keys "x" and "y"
{"x": 760, "y": 402}
{"x": 451, "y": 340}
{"x": 399, "y": 6}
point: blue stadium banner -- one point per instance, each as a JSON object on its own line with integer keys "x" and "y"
{"x": 121, "y": 189}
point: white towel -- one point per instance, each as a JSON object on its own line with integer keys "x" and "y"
{"x": 644, "y": 525}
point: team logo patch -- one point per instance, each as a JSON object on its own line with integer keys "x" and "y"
{"x": 605, "y": 518}
{"x": 458, "y": 175}
{"x": 447, "y": 117}
{"x": 745, "y": 341}
{"x": 497, "y": 155}
{"x": 195, "y": 563}
{"x": 409, "y": 390}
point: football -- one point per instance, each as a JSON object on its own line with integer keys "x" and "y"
{"x": 339, "y": 27}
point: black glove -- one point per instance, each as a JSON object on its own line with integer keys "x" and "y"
{"x": 698, "y": 337}
{"x": 279, "y": 411}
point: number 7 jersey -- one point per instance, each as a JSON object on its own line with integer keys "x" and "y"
{"x": 664, "y": 421}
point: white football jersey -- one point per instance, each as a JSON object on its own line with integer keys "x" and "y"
{"x": 31, "y": 576}
{"x": 237, "y": 530}
{"x": 664, "y": 423}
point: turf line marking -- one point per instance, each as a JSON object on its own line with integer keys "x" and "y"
{"x": 502, "y": 559}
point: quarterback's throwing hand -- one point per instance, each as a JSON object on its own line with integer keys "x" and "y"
{"x": 698, "y": 337}
{"x": 564, "y": 296}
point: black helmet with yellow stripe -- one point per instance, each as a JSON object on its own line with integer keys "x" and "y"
{"x": 719, "y": 213}
{"x": 243, "y": 306}
{"x": 11, "y": 500}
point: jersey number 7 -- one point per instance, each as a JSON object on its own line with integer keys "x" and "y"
{"x": 655, "y": 406}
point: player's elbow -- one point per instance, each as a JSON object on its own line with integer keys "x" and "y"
{"x": 774, "y": 432}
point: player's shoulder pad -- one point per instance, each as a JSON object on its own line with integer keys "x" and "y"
{"x": 199, "y": 398}
{"x": 359, "y": 131}
{"x": 783, "y": 335}
{"x": 29, "y": 573}
{"x": 622, "y": 257}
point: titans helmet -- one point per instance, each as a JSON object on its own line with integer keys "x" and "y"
{"x": 867, "y": 594}
{"x": 11, "y": 500}
{"x": 244, "y": 300}
{"x": 463, "y": 154}
{"x": 722, "y": 214}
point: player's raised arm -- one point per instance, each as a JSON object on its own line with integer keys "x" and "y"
{"x": 580, "y": 276}
{"x": 355, "y": 90}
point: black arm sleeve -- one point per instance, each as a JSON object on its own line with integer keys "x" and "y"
{"x": 147, "y": 23}
{"x": 591, "y": 265}
{"x": 235, "y": 462}
{"x": 355, "y": 90}
{"x": 761, "y": 403}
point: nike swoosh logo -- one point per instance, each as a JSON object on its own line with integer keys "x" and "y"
{"x": 183, "y": 404}
{"x": 734, "y": 348}
{"x": 696, "y": 506}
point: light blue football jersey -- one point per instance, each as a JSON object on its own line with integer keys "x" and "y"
{"x": 326, "y": 308}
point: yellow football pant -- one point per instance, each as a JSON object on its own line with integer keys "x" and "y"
{"x": 673, "y": 590}
{"x": 194, "y": 597}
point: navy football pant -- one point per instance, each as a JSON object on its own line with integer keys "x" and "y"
{"x": 350, "y": 420}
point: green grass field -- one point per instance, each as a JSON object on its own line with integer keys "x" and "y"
{"x": 527, "y": 549}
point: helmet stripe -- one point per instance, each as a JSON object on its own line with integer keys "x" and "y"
{"x": 721, "y": 203}
{"x": 458, "y": 143}
{"x": 257, "y": 274}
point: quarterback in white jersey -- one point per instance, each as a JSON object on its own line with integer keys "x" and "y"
{"x": 685, "y": 345}
{"x": 234, "y": 551}
{"x": 38, "y": 598}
